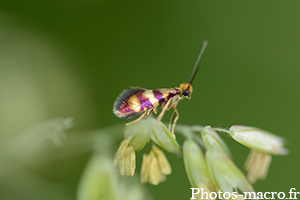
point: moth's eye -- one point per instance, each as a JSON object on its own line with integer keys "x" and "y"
{"x": 185, "y": 93}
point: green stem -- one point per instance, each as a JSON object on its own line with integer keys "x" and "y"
{"x": 190, "y": 132}
{"x": 222, "y": 130}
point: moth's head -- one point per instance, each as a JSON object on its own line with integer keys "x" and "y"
{"x": 186, "y": 90}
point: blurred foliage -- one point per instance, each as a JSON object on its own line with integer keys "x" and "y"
{"x": 73, "y": 58}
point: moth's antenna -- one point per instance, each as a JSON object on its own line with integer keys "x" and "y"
{"x": 195, "y": 69}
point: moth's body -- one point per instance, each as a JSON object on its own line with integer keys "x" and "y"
{"x": 140, "y": 101}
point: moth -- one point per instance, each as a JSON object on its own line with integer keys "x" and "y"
{"x": 140, "y": 101}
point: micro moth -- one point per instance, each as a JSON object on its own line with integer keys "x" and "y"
{"x": 140, "y": 101}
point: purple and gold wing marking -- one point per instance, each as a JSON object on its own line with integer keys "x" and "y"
{"x": 127, "y": 104}
{"x": 159, "y": 96}
{"x": 172, "y": 94}
{"x": 144, "y": 100}
{"x": 163, "y": 95}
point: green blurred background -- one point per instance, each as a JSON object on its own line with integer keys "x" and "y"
{"x": 73, "y": 58}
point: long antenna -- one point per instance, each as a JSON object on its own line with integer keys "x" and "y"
{"x": 195, "y": 69}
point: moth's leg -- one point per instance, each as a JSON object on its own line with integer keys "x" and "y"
{"x": 155, "y": 110}
{"x": 175, "y": 120}
{"x": 172, "y": 117}
{"x": 163, "y": 110}
{"x": 145, "y": 114}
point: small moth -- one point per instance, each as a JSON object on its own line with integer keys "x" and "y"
{"x": 140, "y": 101}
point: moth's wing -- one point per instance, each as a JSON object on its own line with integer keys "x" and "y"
{"x": 137, "y": 88}
{"x": 122, "y": 107}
